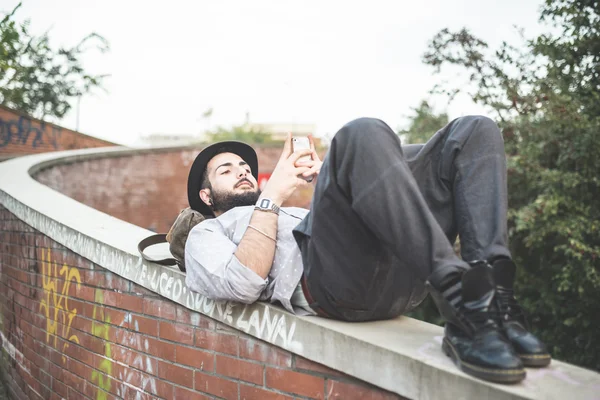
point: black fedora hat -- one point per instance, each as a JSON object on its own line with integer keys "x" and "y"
{"x": 243, "y": 150}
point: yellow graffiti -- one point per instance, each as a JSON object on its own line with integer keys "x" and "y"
{"x": 100, "y": 326}
{"x": 55, "y": 303}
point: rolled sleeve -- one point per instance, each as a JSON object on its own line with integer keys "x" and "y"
{"x": 214, "y": 271}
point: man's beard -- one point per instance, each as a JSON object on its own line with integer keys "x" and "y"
{"x": 225, "y": 201}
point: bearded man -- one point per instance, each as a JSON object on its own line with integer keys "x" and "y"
{"x": 378, "y": 236}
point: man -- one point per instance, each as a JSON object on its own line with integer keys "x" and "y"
{"x": 380, "y": 229}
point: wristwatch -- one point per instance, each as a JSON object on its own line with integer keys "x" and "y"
{"x": 266, "y": 204}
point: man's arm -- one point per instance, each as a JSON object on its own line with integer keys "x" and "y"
{"x": 256, "y": 250}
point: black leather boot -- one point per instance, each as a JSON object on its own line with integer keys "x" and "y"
{"x": 512, "y": 319}
{"x": 472, "y": 338}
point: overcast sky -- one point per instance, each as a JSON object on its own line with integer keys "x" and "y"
{"x": 321, "y": 62}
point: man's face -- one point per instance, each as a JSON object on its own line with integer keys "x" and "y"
{"x": 232, "y": 183}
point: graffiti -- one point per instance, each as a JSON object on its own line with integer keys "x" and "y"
{"x": 13, "y": 352}
{"x": 275, "y": 327}
{"x": 140, "y": 362}
{"x": 19, "y": 131}
{"x": 55, "y": 303}
{"x": 259, "y": 323}
{"x": 100, "y": 328}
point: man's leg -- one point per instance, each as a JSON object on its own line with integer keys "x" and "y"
{"x": 373, "y": 240}
{"x": 461, "y": 172}
{"x": 366, "y": 201}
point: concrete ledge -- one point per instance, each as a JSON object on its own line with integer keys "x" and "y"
{"x": 401, "y": 355}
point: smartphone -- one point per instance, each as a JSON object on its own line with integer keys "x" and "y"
{"x": 301, "y": 143}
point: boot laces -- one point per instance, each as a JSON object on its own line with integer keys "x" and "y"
{"x": 508, "y": 307}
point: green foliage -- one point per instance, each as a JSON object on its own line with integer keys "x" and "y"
{"x": 546, "y": 99}
{"x": 35, "y": 78}
{"x": 423, "y": 124}
{"x": 242, "y": 133}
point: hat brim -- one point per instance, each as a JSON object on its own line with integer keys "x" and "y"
{"x": 243, "y": 150}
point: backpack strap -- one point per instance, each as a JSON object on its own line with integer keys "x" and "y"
{"x": 151, "y": 241}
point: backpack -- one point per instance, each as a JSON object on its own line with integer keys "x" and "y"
{"x": 176, "y": 237}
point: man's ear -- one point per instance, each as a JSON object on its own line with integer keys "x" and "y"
{"x": 205, "y": 196}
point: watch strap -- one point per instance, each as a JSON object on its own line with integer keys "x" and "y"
{"x": 266, "y": 204}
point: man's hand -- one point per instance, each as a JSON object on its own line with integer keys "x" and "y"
{"x": 287, "y": 176}
{"x": 314, "y": 164}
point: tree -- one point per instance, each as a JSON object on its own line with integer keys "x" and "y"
{"x": 35, "y": 78}
{"x": 423, "y": 124}
{"x": 242, "y": 133}
{"x": 546, "y": 100}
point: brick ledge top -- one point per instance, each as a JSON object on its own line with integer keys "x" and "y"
{"x": 401, "y": 355}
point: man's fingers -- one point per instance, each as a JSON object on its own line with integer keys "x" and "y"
{"x": 315, "y": 156}
{"x": 310, "y": 172}
{"x": 301, "y": 182}
{"x": 312, "y": 142}
{"x": 305, "y": 163}
{"x": 287, "y": 147}
{"x": 300, "y": 170}
{"x": 300, "y": 153}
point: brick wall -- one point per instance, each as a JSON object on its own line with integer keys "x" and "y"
{"x": 21, "y": 134}
{"x": 71, "y": 329}
{"x": 147, "y": 189}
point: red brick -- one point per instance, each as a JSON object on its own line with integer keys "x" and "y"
{"x": 176, "y": 332}
{"x": 260, "y": 351}
{"x": 240, "y": 369}
{"x": 124, "y": 301}
{"x": 163, "y": 389}
{"x": 176, "y": 374}
{"x": 343, "y": 391}
{"x": 189, "y": 317}
{"x": 181, "y": 393}
{"x": 194, "y": 358}
{"x": 115, "y": 317}
{"x": 301, "y": 364}
{"x": 51, "y": 137}
{"x": 145, "y": 325}
{"x": 133, "y": 359}
{"x": 142, "y": 291}
{"x": 79, "y": 369}
{"x": 295, "y": 382}
{"x": 115, "y": 282}
{"x": 93, "y": 278}
{"x": 80, "y": 354}
{"x": 91, "y": 343}
{"x": 216, "y": 386}
{"x": 255, "y": 393}
{"x": 83, "y": 309}
{"x": 160, "y": 308}
{"x": 82, "y": 292}
{"x": 220, "y": 342}
{"x": 161, "y": 349}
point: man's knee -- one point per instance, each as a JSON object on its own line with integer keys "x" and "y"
{"x": 366, "y": 132}
{"x": 483, "y": 130}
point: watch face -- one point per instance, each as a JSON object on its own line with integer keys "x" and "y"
{"x": 265, "y": 203}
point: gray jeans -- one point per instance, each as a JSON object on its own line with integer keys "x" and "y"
{"x": 384, "y": 217}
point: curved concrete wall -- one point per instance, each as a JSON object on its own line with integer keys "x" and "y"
{"x": 145, "y": 188}
{"x": 84, "y": 317}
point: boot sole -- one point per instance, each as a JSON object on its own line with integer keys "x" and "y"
{"x": 488, "y": 374}
{"x": 535, "y": 360}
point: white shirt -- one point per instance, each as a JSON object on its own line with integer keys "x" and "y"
{"x": 214, "y": 271}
